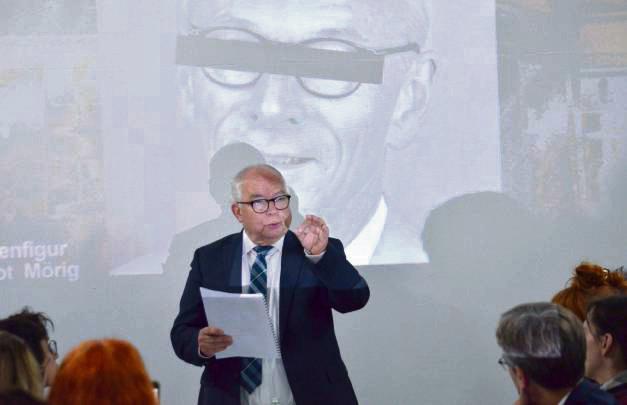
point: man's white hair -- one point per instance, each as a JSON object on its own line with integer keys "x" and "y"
{"x": 238, "y": 180}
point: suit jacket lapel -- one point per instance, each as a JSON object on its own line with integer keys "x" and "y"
{"x": 292, "y": 260}
{"x": 233, "y": 265}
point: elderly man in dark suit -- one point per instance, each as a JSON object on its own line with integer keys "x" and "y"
{"x": 303, "y": 275}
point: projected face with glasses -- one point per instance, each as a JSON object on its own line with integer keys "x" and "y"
{"x": 317, "y": 79}
{"x": 320, "y": 88}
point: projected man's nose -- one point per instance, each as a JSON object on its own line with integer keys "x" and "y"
{"x": 274, "y": 100}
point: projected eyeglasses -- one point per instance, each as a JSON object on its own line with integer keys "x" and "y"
{"x": 325, "y": 67}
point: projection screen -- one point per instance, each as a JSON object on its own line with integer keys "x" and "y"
{"x": 467, "y": 154}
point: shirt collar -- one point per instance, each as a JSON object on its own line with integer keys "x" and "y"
{"x": 361, "y": 249}
{"x": 563, "y": 400}
{"x": 618, "y": 379}
{"x": 248, "y": 245}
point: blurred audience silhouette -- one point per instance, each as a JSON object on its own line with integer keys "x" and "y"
{"x": 544, "y": 351}
{"x": 606, "y": 344}
{"x": 32, "y": 328}
{"x": 18, "y": 368}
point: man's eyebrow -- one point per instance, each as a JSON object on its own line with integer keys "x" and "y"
{"x": 230, "y": 21}
{"x": 259, "y": 196}
{"x": 347, "y": 33}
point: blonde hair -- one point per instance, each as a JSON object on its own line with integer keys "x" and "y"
{"x": 18, "y": 367}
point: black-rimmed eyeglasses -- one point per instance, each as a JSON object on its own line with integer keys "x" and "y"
{"x": 503, "y": 363}
{"x": 261, "y": 205}
{"x": 52, "y": 346}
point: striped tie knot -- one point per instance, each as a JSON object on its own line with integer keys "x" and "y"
{"x": 263, "y": 250}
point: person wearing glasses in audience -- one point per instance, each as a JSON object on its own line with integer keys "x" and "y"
{"x": 544, "y": 351}
{"x": 303, "y": 275}
{"x": 305, "y": 84}
{"x": 32, "y": 327}
{"x": 606, "y": 345}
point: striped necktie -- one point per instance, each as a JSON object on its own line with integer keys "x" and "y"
{"x": 251, "y": 367}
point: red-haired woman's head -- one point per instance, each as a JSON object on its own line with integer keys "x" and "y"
{"x": 589, "y": 281}
{"x": 102, "y": 372}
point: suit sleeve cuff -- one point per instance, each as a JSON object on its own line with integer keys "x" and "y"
{"x": 202, "y": 356}
{"x": 314, "y": 258}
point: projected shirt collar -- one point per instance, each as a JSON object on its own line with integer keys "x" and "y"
{"x": 360, "y": 250}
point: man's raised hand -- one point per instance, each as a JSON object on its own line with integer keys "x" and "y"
{"x": 313, "y": 234}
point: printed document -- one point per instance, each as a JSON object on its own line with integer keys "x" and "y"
{"x": 243, "y": 317}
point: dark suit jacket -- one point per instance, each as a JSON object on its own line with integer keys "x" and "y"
{"x": 589, "y": 393}
{"x": 620, "y": 393}
{"x": 308, "y": 292}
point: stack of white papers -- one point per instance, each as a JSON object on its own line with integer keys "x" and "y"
{"x": 243, "y": 317}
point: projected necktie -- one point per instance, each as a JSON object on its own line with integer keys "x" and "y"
{"x": 251, "y": 367}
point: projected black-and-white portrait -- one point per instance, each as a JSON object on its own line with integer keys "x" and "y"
{"x": 323, "y": 90}
{"x": 374, "y": 112}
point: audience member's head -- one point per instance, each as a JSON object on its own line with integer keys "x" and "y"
{"x": 606, "y": 338}
{"x": 102, "y": 372}
{"x": 18, "y": 397}
{"x": 589, "y": 282}
{"x": 32, "y": 328}
{"x": 18, "y": 368}
{"x": 544, "y": 349}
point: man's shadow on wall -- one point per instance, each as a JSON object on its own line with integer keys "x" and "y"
{"x": 223, "y": 167}
{"x": 437, "y": 319}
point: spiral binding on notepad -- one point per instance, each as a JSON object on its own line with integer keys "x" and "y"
{"x": 274, "y": 336}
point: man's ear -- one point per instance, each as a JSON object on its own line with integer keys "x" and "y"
{"x": 237, "y": 211}
{"x": 412, "y": 102}
{"x": 520, "y": 378}
{"x": 607, "y": 344}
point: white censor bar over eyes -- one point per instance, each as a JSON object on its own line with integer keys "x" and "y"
{"x": 362, "y": 66}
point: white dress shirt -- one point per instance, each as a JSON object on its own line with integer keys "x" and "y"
{"x": 274, "y": 385}
{"x": 360, "y": 250}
